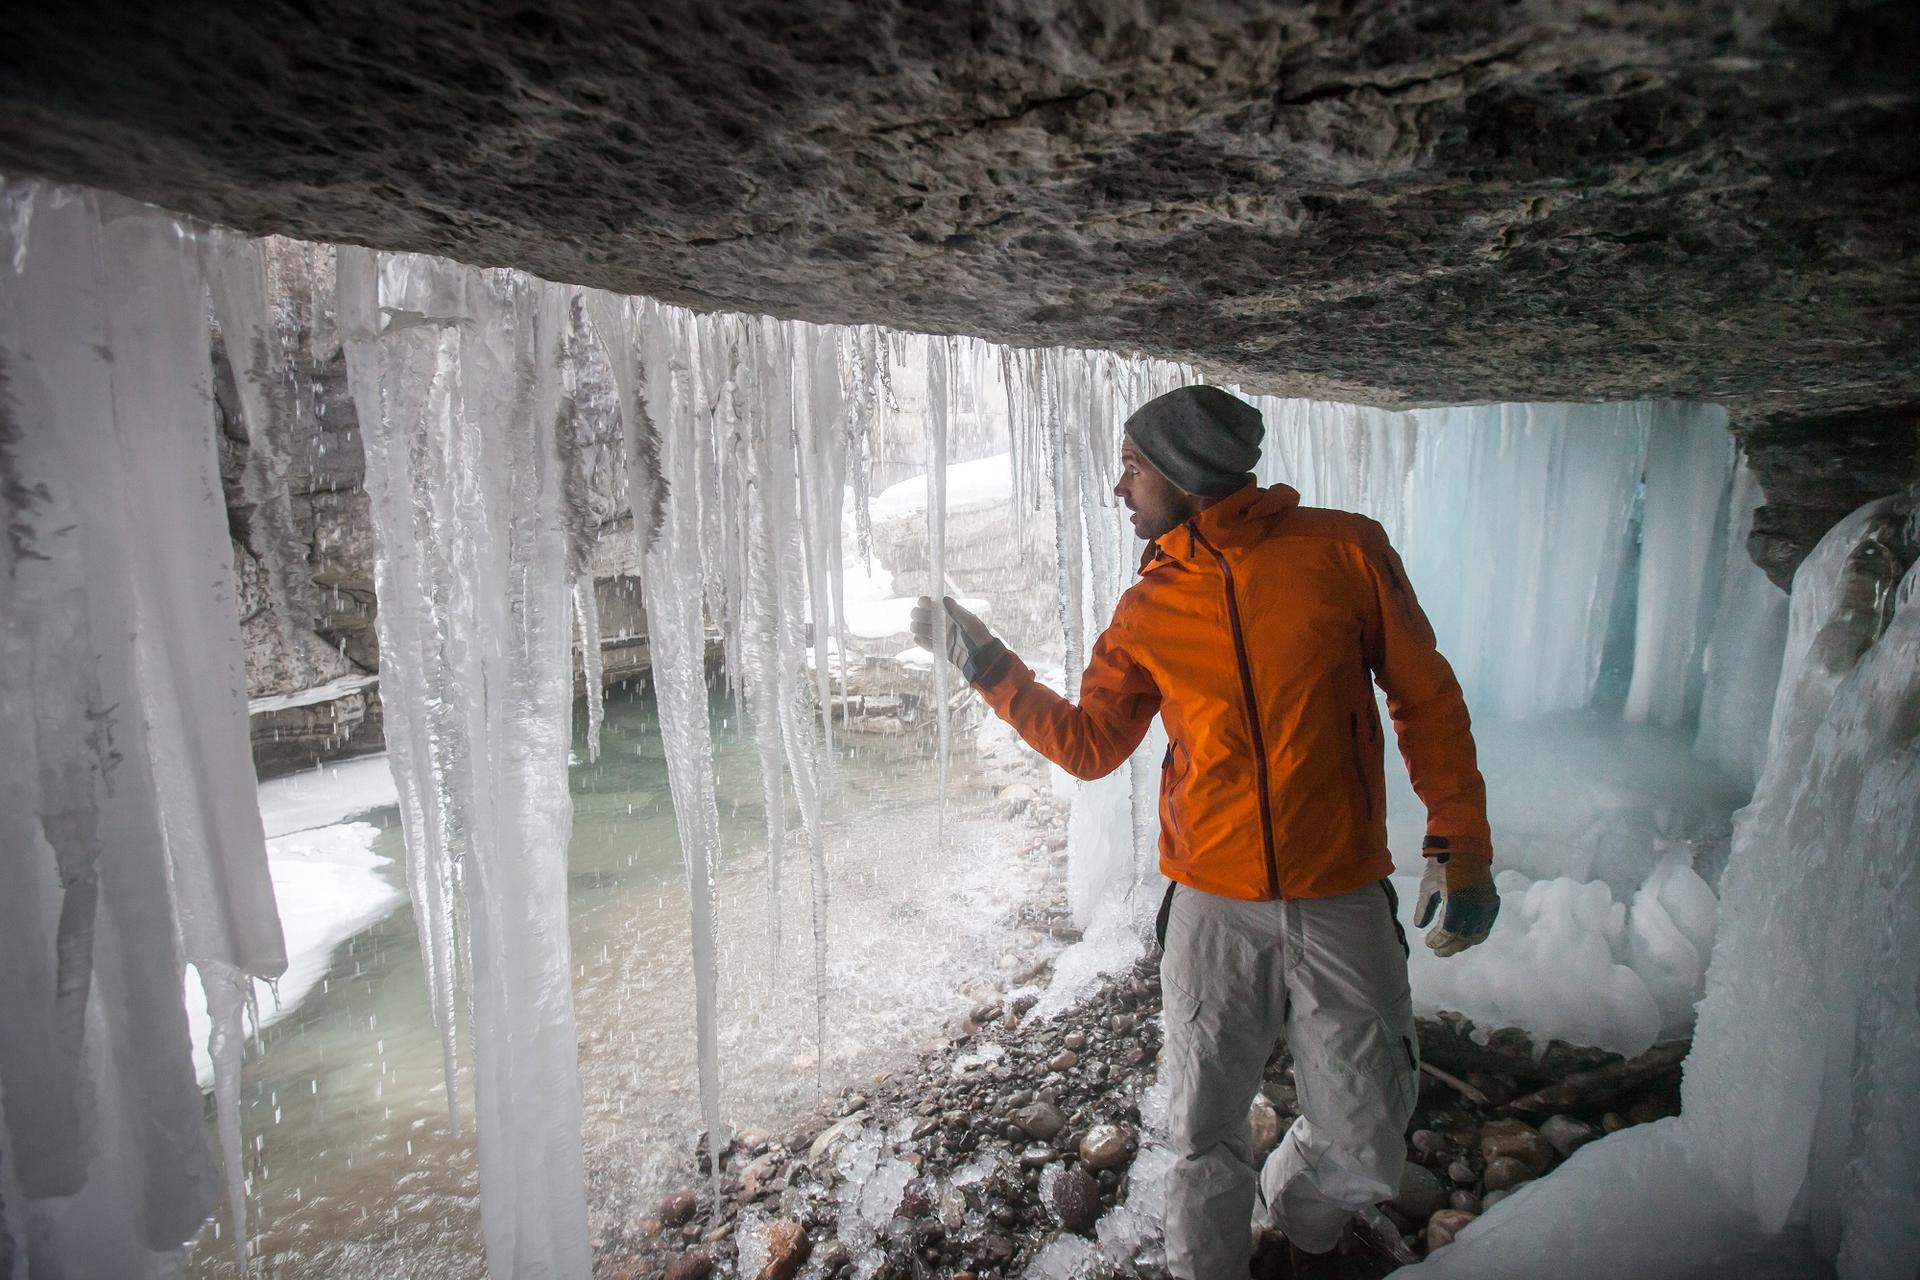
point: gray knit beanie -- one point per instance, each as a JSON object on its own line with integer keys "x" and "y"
{"x": 1201, "y": 438}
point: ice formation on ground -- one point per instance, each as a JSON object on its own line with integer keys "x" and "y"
{"x": 1794, "y": 1146}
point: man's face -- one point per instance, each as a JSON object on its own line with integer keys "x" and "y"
{"x": 1156, "y": 504}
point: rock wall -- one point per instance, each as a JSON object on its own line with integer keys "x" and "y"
{"x": 1404, "y": 202}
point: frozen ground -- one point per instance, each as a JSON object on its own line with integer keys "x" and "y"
{"x": 327, "y": 880}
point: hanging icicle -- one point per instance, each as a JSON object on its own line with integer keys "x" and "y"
{"x": 456, "y": 375}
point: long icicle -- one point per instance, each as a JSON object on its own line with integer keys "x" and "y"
{"x": 939, "y": 352}
{"x": 675, "y": 596}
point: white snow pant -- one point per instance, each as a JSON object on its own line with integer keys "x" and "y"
{"x": 1329, "y": 975}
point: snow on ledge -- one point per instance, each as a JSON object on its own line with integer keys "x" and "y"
{"x": 331, "y": 691}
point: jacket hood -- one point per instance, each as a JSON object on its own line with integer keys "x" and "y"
{"x": 1237, "y": 518}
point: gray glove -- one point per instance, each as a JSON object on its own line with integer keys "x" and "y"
{"x": 964, "y": 639}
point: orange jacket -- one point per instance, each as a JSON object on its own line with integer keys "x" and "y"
{"x": 1253, "y": 630}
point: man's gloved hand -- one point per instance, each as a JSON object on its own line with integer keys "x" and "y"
{"x": 965, "y": 639}
{"x": 1460, "y": 888}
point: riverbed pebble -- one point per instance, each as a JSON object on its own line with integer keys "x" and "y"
{"x": 1444, "y": 1225}
{"x": 1105, "y": 1146}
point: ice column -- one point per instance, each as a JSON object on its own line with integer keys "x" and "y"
{"x": 1689, "y": 461}
{"x": 122, "y": 732}
{"x": 1813, "y": 903}
{"x": 675, "y": 593}
{"x": 1743, "y": 650}
{"x": 456, "y": 379}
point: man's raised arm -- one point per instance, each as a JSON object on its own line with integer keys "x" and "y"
{"x": 1088, "y": 739}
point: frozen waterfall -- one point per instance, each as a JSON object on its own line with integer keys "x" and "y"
{"x": 1583, "y": 566}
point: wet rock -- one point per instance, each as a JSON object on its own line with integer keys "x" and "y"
{"x": 1499, "y": 1089}
{"x": 833, "y": 1255}
{"x": 1037, "y": 1155}
{"x": 1461, "y": 1173}
{"x": 1013, "y": 799}
{"x": 1265, "y": 1122}
{"x": 1427, "y": 1142}
{"x": 694, "y": 1264}
{"x": 1075, "y": 1201}
{"x": 1421, "y": 1193}
{"x": 1443, "y": 1226}
{"x": 1075, "y": 1040}
{"x": 995, "y": 1250}
{"x": 1065, "y": 1060}
{"x": 1612, "y": 1122}
{"x": 1040, "y": 1120}
{"x": 1492, "y": 1198}
{"x": 678, "y": 1207}
{"x": 1566, "y": 1134}
{"x": 1465, "y": 1201}
{"x": 982, "y": 1014}
{"x": 831, "y": 1136}
{"x": 1105, "y": 1146}
{"x": 916, "y": 1199}
{"x": 761, "y": 1176}
{"x": 1505, "y": 1173}
{"x": 787, "y": 1250}
{"x": 1657, "y": 1105}
{"x": 1518, "y": 1140}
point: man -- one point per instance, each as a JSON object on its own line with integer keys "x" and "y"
{"x": 1253, "y": 632}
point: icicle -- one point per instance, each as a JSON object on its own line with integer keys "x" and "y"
{"x": 1743, "y": 650}
{"x": 392, "y": 368}
{"x": 456, "y": 377}
{"x": 229, "y": 993}
{"x": 577, "y": 461}
{"x": 793, "y": 581}
{"x": 938, "y": 370}
{"x": 586, "y": 614}
{"x": 1689, "y": 461}
{"x": 616, "y": 321}
{"x": 119, "y": 658}
{"x": 820, "y": 523}
{"x": 1069, "y": 532}
{"x": 674, "y": 597}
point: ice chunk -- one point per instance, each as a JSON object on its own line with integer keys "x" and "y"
{"x": 1639, "y": 1203}
{"x": 1555, "y": 966}
{"x": 1064, "y": 1257}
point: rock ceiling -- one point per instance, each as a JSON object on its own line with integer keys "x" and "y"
{"x": 1398, "y": 203}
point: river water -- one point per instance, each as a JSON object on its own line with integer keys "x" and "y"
{"x": 353, "y": 1171}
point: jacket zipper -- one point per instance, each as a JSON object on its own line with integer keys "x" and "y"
{"x": 1252, "y": 708}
